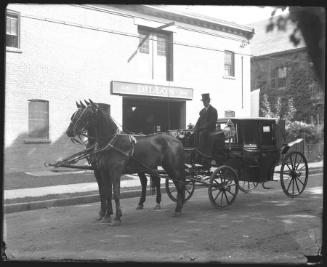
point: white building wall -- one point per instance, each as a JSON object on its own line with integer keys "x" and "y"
{"x": 64, "y": 62}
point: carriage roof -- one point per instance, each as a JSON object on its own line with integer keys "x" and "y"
{"x": 247, "y": 118}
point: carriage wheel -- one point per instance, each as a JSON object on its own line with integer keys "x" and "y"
{"x": 294, "y": 174}
{"x": 172, "y": 192}
{"x": 223, "y": 187}
{"x": 246, "y": 186}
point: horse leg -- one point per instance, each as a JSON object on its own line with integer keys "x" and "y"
{"x": 177, "y": 176}
{"x": 107, "y": 190}
{"x": 102, "y": 210}
{"x": 156, "y": 180}
{"x": 116, "y": 188}
{"x": 144, "y": 182}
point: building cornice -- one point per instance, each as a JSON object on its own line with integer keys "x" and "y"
{"x": 158, "y": 12}
{"x": 280, "y": 53}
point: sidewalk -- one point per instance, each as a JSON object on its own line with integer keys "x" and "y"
{"x": 76, "y": 193}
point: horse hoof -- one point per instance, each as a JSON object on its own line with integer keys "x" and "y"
{"x": 99, "y": 217}
{"x": 157, "y": 207}
{"x": 106, "y": 220}
{"x": 177, "y": 214}
{"x": 115, "y": 223}
{"x": 139, "y": 207}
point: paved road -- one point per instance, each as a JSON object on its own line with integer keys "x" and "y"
{"x": 262, "y": 226}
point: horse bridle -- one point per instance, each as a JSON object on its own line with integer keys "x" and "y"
{"x": 110, "y": 143}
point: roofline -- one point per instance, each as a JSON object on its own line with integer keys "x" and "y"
{"x": 281, "y": 52}
{"x": 248, "y": 118}
{"x": 206, "y": 18}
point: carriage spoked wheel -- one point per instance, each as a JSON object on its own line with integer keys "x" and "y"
{"x": 223, "y": 187}
{"x": 246, "y": 186}
{"x": 172, "y": 192}
{"x": 294, "y": 174}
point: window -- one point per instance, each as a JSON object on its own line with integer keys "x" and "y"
{"x": 38, "y": 119}
{"x": 229, "y": 63}
{"x": 278, "y": 77}
{"x": 155, "y": 54}
{"x": 267, "y": 137}
{"x": 161, "y": 45}
{"x": 282, "y": 77}
{"x": 273, "y": 79}
{"x": 12, "y": 30}
{"x": 144, "y": 42}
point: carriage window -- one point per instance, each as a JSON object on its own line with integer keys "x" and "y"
{"x": 267, "y": 137}
{"x": 266, "y": 129}
{"x": 38, "y": 119}
{"x": 221, "y": 127}
{"x": 249, "y": 132}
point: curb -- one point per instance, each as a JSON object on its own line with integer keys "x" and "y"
{"x": 316, "y": 170}
{"x": 33, "y": 205}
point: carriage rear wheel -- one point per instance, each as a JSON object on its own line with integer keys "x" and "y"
{"x": 172, "y": 192}
{"x": 294, "y": 174}
{"x": 223, "y": 187}
{"x": 246, "y": 186}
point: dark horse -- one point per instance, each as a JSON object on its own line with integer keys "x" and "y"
{"x": 142, "y": 176}
{"x": 116, "y": 153}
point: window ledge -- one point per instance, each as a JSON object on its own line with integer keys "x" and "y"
{"x": 13, "y": 49}
{"x": 229, "y": 77}
{"x": 37, "y": 141}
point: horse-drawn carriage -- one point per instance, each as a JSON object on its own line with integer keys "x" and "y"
{"x": 245, "y": 152}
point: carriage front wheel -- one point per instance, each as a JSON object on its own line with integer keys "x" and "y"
{"x": 223, "y": 187}
{"x": 246, "y": 186}
{"x": 172, "y": 192}
{"x": 294, "y": 174}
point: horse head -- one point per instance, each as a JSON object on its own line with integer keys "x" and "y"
{"x": 94, "y": 119}
{"x": 81, "y": 118}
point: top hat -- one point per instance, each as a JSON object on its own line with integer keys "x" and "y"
{"x": 205, "y": 97}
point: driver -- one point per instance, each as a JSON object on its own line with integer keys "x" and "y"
{"x": 205, "y": 125}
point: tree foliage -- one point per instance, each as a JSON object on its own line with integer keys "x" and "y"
{"x": 311, "y": 22}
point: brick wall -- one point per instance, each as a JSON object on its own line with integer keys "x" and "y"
{"x": 64, "y": 62}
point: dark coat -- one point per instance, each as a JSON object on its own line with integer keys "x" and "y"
{"x": 207, "y": 120}
{"x": 205, "y": 125}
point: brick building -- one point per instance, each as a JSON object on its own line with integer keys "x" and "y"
{"x": 136, "y": 58}
{"x": 280, "y": 69}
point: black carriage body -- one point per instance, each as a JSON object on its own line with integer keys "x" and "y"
{"x": 254, "y": 148}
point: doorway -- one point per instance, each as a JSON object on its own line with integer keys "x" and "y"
{"x": 151, "y": 115}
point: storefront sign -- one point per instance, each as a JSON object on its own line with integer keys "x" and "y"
{"x": 126, "y": 88}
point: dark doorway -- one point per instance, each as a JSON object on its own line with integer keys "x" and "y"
{"x": 150, "y": 115}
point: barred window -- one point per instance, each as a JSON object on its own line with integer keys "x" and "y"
{"x": 229, "y": 63}
{"x": 38, "y": 119}
{"x": 12, "y": 30}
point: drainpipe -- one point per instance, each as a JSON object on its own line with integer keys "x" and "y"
{"x": 242, "y": 82}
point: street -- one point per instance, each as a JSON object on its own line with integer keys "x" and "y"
{"x": 262, "y": 226}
